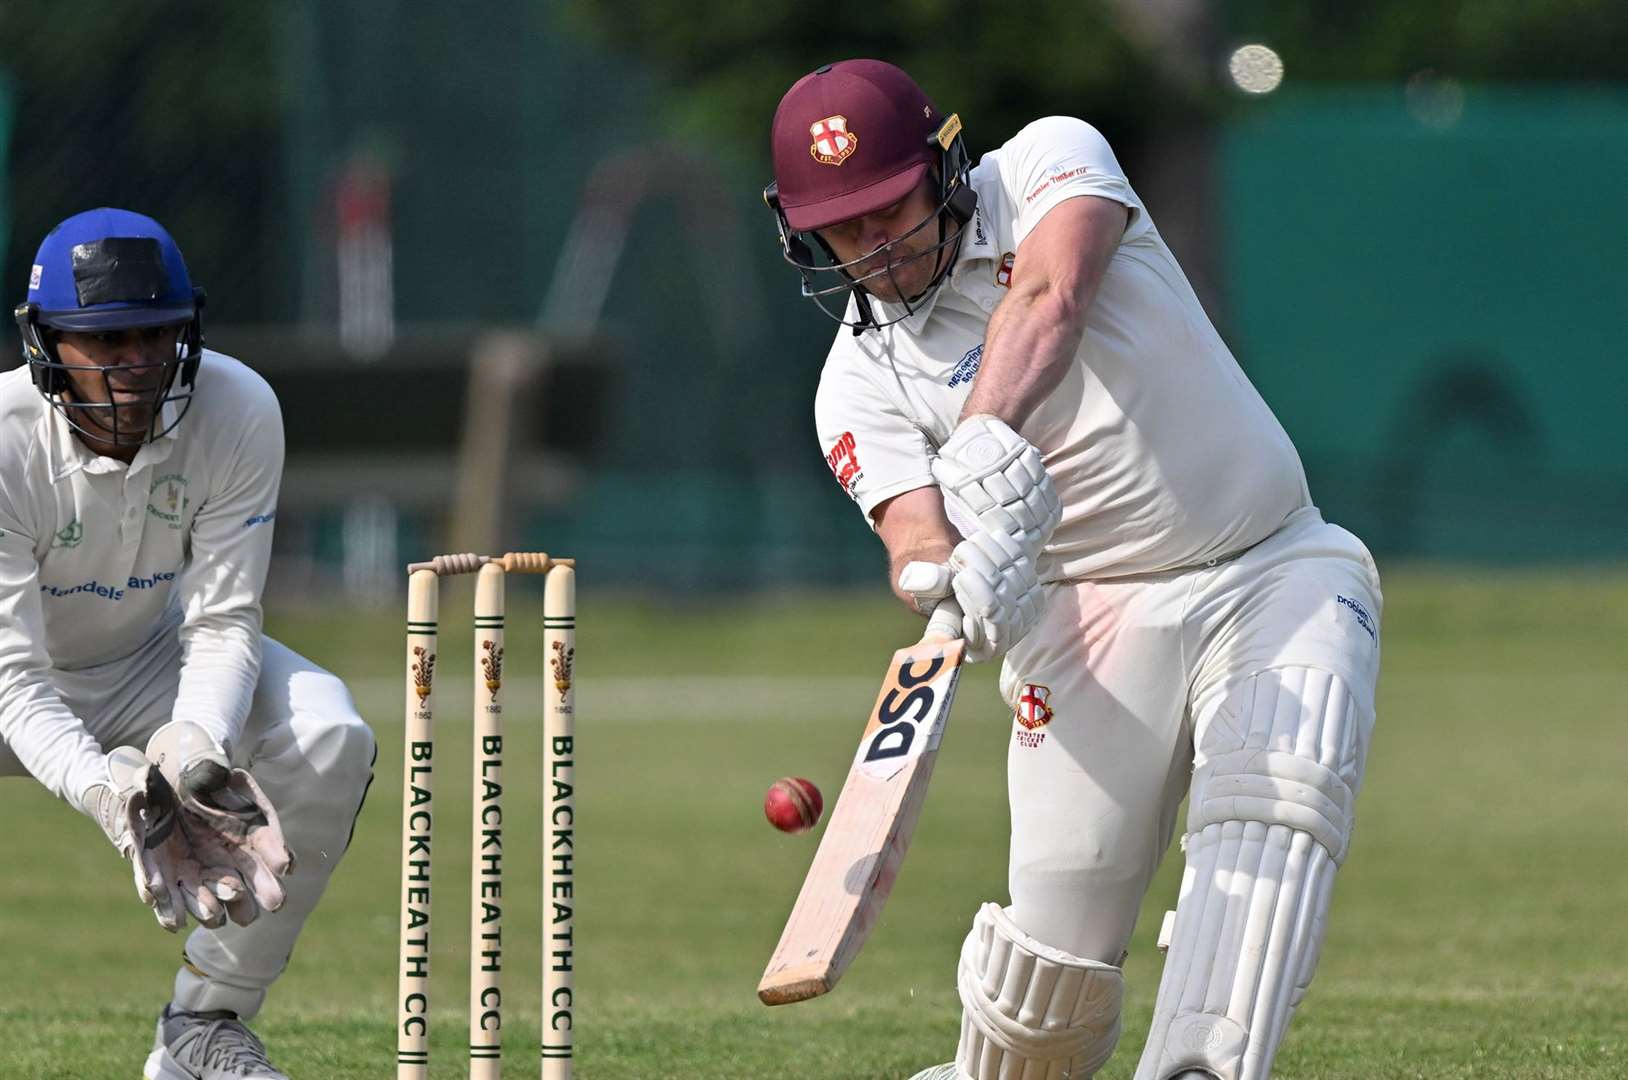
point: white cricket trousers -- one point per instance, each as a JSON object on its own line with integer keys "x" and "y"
{"x": 1110, "y": 689}
{"x": 308, "y": 749}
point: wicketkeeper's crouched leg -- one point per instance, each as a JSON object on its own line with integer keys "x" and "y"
{"x": 312, "y": 754}
{"x": 1276, "y": 772}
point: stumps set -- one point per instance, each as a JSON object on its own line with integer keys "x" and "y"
{"x": 486, "y": 852}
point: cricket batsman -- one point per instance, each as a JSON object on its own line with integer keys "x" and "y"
{"x": 138, "y": 484}
{"x": 1034, "y": 413}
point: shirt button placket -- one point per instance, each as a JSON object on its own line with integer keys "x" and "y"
{"x": 131, "y": 530}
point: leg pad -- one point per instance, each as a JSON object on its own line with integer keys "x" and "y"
{"x": 1277, "y": 768}
{"x": 1030, "y": 1011}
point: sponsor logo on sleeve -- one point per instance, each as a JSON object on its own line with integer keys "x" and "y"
{"x": 968, "y": 367}
{"x": 1364, "y": 620}
{"x": 1033, "y": 712}
{"x": 843, "y": 458}
{"x": 259, "y": 519}
{"x": 1003, "y": 272}
{"x": 833, "y": 142}
{"x": 1055, "y": 178}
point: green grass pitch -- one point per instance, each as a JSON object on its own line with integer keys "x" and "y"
{"x": 1477, "y": 929}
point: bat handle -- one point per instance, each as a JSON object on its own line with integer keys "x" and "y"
{"x": 945, "y": 623}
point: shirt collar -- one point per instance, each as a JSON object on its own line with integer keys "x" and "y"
{"x": 977, "y": 242}
{"x": 69, "y": 455}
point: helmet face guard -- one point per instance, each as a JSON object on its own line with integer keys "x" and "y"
{"x": 106, "y": 421}
{"x": 111, "y": 271}
{"x": 829, "y": 282}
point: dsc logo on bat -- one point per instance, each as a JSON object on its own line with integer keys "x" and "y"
{"x": 909, "y": 715}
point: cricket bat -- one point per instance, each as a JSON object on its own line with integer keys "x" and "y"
{"x": 870, "y": 827}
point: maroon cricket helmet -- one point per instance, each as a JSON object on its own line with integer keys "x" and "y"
{"x": 849, "y": 139}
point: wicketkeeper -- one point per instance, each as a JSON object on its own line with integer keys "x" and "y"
{"x": 1021, "y": 355}
{"x": 138, "y": 484}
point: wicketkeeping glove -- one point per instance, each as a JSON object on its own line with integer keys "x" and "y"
{"x": 998, "y": 476}
{"x": 227, "y": 818}
{"x": 139, "y": 812}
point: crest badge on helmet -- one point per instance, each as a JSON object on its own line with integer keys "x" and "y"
{"x": 833, "y": 142}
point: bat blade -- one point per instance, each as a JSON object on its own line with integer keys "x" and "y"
{"x": 870, "y": 827}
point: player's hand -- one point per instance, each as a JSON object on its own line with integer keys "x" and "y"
{"x": 999, "y": 478}
{"x": 138, "y": 810}
{"x": 227, "y": 818}
{"x": 930, "y": 588}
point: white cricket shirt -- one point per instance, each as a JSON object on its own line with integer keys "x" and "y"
{"x": 1163, "y": 454}
{"x": 97, "y": 558}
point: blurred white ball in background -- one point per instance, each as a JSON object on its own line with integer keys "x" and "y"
{"x": 1255, "y": 69}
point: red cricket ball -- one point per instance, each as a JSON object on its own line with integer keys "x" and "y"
{"x": 793, "y": 804}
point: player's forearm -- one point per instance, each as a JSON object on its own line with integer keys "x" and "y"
{"x": 220, "y": 666}
{"x": 40, "y": 730}
{"x": 914, "y": 528}
{"x": 220, "y": 591}
{"x": 52, "y": 742}
{"x": 1031, "y": 341}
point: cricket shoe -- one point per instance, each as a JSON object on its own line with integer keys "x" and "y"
{"x": 206, "y": 1046}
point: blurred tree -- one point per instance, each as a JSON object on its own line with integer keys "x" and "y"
{"x": 729, "y": 61}
{"x": 168, "y": 108}
{"x": 1142, "y": 71}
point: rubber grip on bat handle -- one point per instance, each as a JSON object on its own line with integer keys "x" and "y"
{"x": 945, "y": 622}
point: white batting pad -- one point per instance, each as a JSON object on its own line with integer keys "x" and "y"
{"x": 1029, "y": 1011}
{"x": 1269, "y": 820}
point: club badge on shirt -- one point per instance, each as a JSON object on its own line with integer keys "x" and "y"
{"x": 1033, "y": 712}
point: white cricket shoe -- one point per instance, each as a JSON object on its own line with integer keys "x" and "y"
{"x": 206, "y": 1046}
{"x": 945, "y": 1071}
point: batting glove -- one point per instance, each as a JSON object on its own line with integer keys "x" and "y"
{"x": 999, "y": 478}
{"x": 993, "y": 582}
{"x": 998, "y": 590}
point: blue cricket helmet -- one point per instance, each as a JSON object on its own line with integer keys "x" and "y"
{"x": 110, "y": 269}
